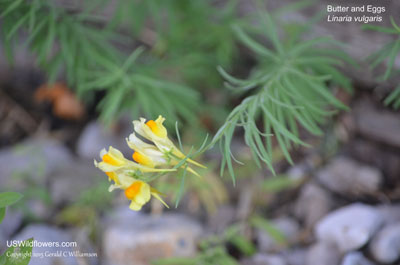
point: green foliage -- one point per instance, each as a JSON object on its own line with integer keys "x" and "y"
{"x": 211, "y": 41}
{"x": 288, "y": 87}
{"x": 22, "y": 254}
{"x": 138, "y": 92}
{"x": 87, "y": 207}
{"x": 208, "y": 188}
{"x": 94, "y": 197}
{"x": 79, "y": 45}
{"x": 388, "y": 53}
{"x": 243, "y": 244}
{"x": 183, "y": 163}
{"x": 394, "y": 98}
{"x": 9, "y": 198}
{"x": 18, "y": 255}
{"x": 190, "y": 37}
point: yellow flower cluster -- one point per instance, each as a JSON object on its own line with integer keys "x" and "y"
{"x": 160, "y": 155}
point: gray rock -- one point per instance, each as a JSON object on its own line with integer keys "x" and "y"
{"x": 121, "y": 215}
{"x": 96, "y": 136}
{"x": 349, "y": 227}
{"x": 298, "y": 172}
{"x": 83, "y": 239}
{"x": 11, "y": 222}
{"x": 3, "y": 241}
{"x": 312, "y": 204}
{"x": 377, "y": 155}
{"x": 323, "y": 253}
{"x": 385, "y": 246}
{"x": 264, "y": 259}
{"x": 33, "y": 158}
{"x": 347, "y": 177}
{"x": 137, "y": 239}
{"x": 50, "y": 254}
{"x": 381, "y": 126}
{"x": 38, "y": 209}
{"x": 69, "y": 181}
{"x": 289, "y": 228}
{"x": 219, "y": 221}
{"x": 389, "y": 213}
{"x": 355, "y": 258}
{"x": 295, "y": 256}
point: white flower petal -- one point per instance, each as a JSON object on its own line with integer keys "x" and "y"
{"x": 103, "y": 152}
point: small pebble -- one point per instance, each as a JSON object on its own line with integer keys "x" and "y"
{"x": 349, "y": 227}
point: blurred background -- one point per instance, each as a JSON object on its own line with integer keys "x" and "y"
{"x": 74, "y": 74}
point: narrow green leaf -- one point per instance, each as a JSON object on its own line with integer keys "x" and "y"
{"x": 319, "y": 60}
{"x": 379, "y": 56}
{"x": 9, "y": 51}
{"x": 234, "y": 80}
{"x": 280, "y": 127}
{"x": 300, "y": 48}
{"x": 181, "y": 187}
{"x": 227, "y": 152}
{"x": 16, "y": 26}
{"x": 253, "y": 45}
{"x": 392, "y": 57}
{"x": 325, "y": 93}
{"x": 306, "y": 102}
{"x": 395, "y": 95}
{"x": 32, "y": 14}
{"x": 202, "y": 146}
{"x": 132, "y": 58}
{"x": 284, "y": 148}
{"x": 271, "y": 28}
{"x": 380, "y": 29}
{"x": 395, "y": 26}
{"x": 178, "y": 136}
{"x": 11, "y": 7}
{"x": 35, "y": 31}
{"x": 243, "y": 244}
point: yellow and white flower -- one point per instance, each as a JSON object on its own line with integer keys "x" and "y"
{"x": 113, "y": 161}
{"x": 147, "y": 157}
{"x": 137, "y": 191}
{"x": 145, "y": 154}
{"x": 157, "y": 133}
